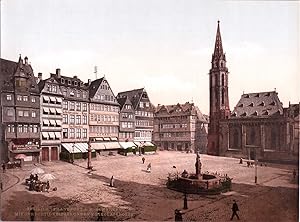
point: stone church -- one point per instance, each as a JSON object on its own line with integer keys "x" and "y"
{"x": 258, "y": 127}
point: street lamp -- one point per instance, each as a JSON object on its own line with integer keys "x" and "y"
{"x": 255, "y": 167}
{"x": 73, "y": 146}
{"x": 89, "y": 163}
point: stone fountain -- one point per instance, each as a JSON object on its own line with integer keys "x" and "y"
{"x": 199, "y": 183}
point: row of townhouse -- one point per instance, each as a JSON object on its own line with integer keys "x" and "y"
{"x": 45, "y": 120}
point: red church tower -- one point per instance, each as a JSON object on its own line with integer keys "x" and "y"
{"x": 218, "y": 95}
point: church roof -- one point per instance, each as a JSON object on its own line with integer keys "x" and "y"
{"x": 94, "y": 86}
{"x": 261, "y": 104}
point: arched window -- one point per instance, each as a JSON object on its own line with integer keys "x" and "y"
{"x": 252, "y": 136}
{"x": 273, "y": 139}
{"x": 236, "y": 138}
{"x": 223, "y": 92}
{"x": 223, "y": 80}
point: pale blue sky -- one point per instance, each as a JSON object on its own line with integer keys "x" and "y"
{"x": 162, "y": 45}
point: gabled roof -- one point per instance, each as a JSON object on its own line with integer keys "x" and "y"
{"x": 261, "y": 104}
{"x": 122, "y": 101}
{"x": 94, "y": 86}
{"x": 10, "y": 70}
{"x": 187, "y": 107}
{"x": 133, "y": 95}
{"x": 7, "y": 70}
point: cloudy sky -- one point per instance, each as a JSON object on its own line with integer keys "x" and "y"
{"x": 162, "y": 45}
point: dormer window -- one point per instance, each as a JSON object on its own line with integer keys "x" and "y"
{"x": 62, "y": 81}
{"x": 75, "y": 83}
{"x": 72, "y": 93}
{"x": 246, "y": 96}
{"x": 262, "y": 104}
{"x": 233, "y": 114}
{"x": 255, "y": 113}
{"x": 251, "y": 104}
{"x": 265, "y": 113}
{"x": 241, "y": 105}
{"x": 69, "y": 82}
{"x": 244, "y": 114}
{"x": 257, "y": 95}
{"x": 272, "y": 103}
{"x": 81, "y": 83}
{"x": 268, "y": 94}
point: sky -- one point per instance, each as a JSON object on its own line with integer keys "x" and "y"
{"x": 162, "y": 45}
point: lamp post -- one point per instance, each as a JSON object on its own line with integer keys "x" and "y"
{"x": 255, "y": 179}
{"x": 89, "y": 163}
{"x": 73, "y": 146}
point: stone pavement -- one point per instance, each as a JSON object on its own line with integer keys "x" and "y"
{"x": 139, "y": 195}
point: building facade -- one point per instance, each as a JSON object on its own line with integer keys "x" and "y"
{"x": 144, "y": 114}
{"x": 218, "y": 95}
{"x": 180, "y": 127}
{"x": 260, "y": 128}
{"x": 51, "y": 118}
{"x": 127, "y": 120}
{"x": 20, "y": 111}
{"x": 103, "y": 116}
{"x": 75, "y": 128}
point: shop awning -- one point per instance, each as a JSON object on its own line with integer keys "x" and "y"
{"x": 98, "y": 146}
{"x": 59, "y": 100}
{"x": 148, "y": 144}
{"x": 106, "y": 139}
{"x": 114, "y": 139}
{"x": 59, "y": 111}
{"x": 99, "y": 139}
{"x": 45, "y": 135}
{"x": 138, "y": 144}
{"x": 83, "y": 147}
{"x": 52, "y": 99}
{"x": 126, "y": 145}
{"x": 70, "y": 148}
{"x": 58, "y": 122}
{"x": 46, "y": 98}
{"x": 112, "y": 145}
{"x": 57, "y": 135}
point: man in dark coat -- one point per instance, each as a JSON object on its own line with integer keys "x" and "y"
{"x": 235, "y": 209}
{"x": 178, "y": 215}
{"x": 32, "y": 213}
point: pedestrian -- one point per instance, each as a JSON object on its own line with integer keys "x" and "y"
{"x": 36, "y": 177}
{"x": 99, "y": 215}
{"x": 1, "y": 186}
{"x": 178, "y": 215}
{"x": 294, "y": 174}
{"x": 112, "y": 181}
{"x": 48, "y": 186}
{"x": 149, "y": 168}
{"x": 4, "y": 167}
{"x": 143, "y": 159}
{"x": 185, "y": 204}
{"x": 235, "y": 209}
{"x": 241, "y": 161}
{"x": 32, "y": 213}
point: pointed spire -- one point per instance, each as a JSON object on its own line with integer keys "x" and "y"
{"x": 218, "y": 44}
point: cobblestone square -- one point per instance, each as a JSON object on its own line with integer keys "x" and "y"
{"x": 139, "y": 195}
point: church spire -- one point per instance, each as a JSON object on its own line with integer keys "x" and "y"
{"x": 218, "y": 44}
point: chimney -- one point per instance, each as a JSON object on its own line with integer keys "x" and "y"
{"x": 58, "y": 73}
{"x": 26, "y": 60}
{"x": 75, "y": 77}
{"x": 40, "y": 76}
{"x": 89, "y": 82}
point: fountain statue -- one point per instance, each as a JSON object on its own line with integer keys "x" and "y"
{"x": 198, "y": 166}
